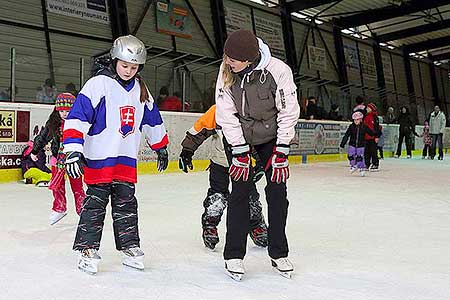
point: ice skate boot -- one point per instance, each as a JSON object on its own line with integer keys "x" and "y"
{"x": 55, "y": 217}
{"x": 88, "y": 260}
{"x": 234, "y": 268}
{"x": 259, "y": 235}
{"x": 352, "y": 170}
{"x": 283, "y": 267}
{"x": 210, "y": 237}
{"x": 362, "y": 172}
{"x": 133, "y": 258}
{"x": 374, "y": 168}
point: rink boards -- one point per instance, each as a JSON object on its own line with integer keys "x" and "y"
{"x": 314, "y": 141}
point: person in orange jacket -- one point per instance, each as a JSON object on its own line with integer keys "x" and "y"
{"x": 218, "y": 193}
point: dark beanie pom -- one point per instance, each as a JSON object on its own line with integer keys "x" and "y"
{"x": 242, "y": 45}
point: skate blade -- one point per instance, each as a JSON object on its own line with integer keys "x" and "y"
{"x": 234, "y": 276}
{"x": 57, "y": 220}
{"x": 136, "y": 266}
{"x": 135, "y": 263}
{"x": 285, "y": 274}
{"x": 87, "y": 271}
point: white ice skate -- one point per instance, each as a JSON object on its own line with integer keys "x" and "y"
{"x": 234, "y": 268}
{"x": 133, "y": 258}
{"x": 88, "y": 260}
{"x": 352, "y": 170}
{"x": 55, "y": 217}
{"x": 283, "y": 267}
{"x": 42, "y": 184}
{"x": 362, "y": 172}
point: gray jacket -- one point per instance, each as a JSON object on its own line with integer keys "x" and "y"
{"x": 437, "y": 123}
{"x": 260, "y": 107}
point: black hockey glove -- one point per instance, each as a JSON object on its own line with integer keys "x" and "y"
{"x": 75, "y": 162}
{"x": 163, "y": 159}
{"x": 185, "y": 160}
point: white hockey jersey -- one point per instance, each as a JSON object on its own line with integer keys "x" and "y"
{"x": 105, "y": 124}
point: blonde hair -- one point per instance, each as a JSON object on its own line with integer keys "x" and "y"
{"x": 228, "y": 77}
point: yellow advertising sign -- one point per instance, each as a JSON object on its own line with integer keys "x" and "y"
{"x": 7, "y": 125}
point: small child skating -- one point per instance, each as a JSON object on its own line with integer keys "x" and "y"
{"x": 371, "y": 148}
{"x": 35, "y": 172}
{"x": 101, "y": 139}
{"x": 356, "y": 133}
{"x": 427, "y": 140}
{"x": 53, "y": 132}
{"x": 219, "y": 181}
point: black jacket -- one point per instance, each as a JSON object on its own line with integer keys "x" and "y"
{"x": 405, "y": 122}
{"x": 43, "y": 138}
{"x": 356, "y": 135}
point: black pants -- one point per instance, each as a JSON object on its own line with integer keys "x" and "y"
{"x": 238, "y": 212}
{"x": 437, "y": 139}
{"x": 407, "y": 137}
{"x": 124, "y": 214}
{"x": 370, "y": 154}
{"x": 426, "y": 150}
{"x": 217, "y": 198}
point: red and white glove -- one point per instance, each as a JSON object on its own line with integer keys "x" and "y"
{"x": 240, "y": 163}
{"x": 279, "y": 163}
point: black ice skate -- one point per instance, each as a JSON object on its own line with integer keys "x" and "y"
{"x": 234, "y": 268}
{"x": 283, "y": 267}
{"x": 259, "y": 235}
{"x": 210, "y": 237}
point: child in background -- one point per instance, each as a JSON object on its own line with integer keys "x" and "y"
{"x": 356, "y": 132}
{"x": 102, "y": 135}
{"x": 35, "y": 172}
{"x": 427, "y": 140}
{"x": 53, "y": 132}
{"x": 370, "y": 152}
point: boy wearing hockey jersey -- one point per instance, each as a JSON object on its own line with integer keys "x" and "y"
{"x": 218, "y": 193}
{"x": 101, "y": 139}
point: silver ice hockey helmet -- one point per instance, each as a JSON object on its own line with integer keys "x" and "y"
{"x": 130, "y": 49}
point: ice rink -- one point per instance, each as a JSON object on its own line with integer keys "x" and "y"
{"x": 385, "y": 237}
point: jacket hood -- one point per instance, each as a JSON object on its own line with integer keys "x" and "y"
{"x": 265, "y": 55}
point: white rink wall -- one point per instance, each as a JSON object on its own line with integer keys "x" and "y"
{"x": 312, "y": 137}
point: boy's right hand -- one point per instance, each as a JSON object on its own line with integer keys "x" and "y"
{"x": 185, "y": 160}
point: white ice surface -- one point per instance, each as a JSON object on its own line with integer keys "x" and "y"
{"x": 383, "y": 237}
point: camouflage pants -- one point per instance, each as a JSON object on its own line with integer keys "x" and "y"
{"x": 124, "y": 214}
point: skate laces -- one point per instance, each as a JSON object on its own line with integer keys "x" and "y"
{"x": 135, "y": 251}
{"x": 90, "y": 253}
{"x": 283, "y": 263}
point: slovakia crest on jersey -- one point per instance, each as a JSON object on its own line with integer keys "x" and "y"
{"x": 127, "y": 114}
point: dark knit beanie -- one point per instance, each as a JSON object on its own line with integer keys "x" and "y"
{"x": 242, "y": 45}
